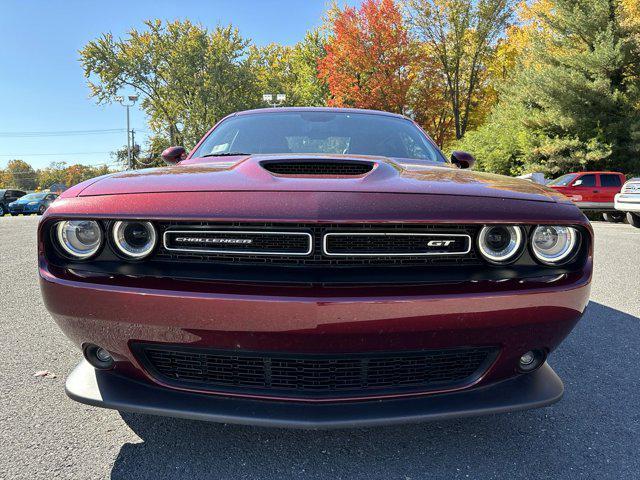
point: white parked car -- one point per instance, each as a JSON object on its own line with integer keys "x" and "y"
{"x": 628, "y": 200}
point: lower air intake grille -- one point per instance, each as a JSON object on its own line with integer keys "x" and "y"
{"x": 343, "y": 168}
{"x": 315, "y": 376}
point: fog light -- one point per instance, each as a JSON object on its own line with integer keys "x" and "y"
{"x": 531, "y": 360}
{"x": 98, "y": 357}
{"x": 103, "y": 355}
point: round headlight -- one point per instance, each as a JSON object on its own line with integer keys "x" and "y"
{"x": 134, "y": 239}
{"x": 80, "y": 238}
{"x": 500, "y": 243}
{"x": 553, "y": 244}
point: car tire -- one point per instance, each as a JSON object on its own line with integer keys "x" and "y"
{"x": 41, "y": 209}
{"x": 633, "y": 219}
{"x": 2, "y": 211}
{"x": 613, "y": 217}
{"x": 14, "y": 214}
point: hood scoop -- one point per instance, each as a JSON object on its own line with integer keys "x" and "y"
{"x": 333, "y": 168}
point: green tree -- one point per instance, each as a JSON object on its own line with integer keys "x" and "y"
{"x": 122, "y": 156}
{"x": 188, "y": 77}
{"x": 292, "y": 70}
{"x": 582, "y": 87}
{"x": 501, "y": 145}
{"x": 54, "y": 173}
{"x": 573, "y": 103}
{"x": 20, "y": 174}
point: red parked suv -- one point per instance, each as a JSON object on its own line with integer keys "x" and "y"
{"x": 314, "y": 267}
{"x": 592, "y": 191}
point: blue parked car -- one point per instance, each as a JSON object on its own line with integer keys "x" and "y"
{"x": 32, "y": 203}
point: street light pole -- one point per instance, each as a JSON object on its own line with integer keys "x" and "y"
{"x": 128, "y": 140}
{"x": 274, "y": 100}
{"x": 132, "y": 100}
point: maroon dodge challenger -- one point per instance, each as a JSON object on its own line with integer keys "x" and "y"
{"x": 314, "y": 267}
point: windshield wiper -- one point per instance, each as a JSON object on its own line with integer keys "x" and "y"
{"x": 224, "y": 154}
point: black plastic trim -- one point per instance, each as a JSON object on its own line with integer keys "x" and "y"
{"x": 109, "y": 390}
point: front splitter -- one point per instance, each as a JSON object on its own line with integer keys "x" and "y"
{"x": 109, "y": 390}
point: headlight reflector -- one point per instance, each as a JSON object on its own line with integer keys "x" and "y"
{"x": 552, "y": 244}
{"x": 500, "y": 243}
{"x": 134, "y": 239}
{"x": 79, "y": 238}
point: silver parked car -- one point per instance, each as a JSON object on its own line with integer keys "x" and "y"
{"x": 628, "y": 200}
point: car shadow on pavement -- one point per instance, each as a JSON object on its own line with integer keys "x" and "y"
{"x": 591, "y": 433}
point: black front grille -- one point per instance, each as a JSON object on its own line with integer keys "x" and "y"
{"x": 342, "y": 168}
{"x": 367, "y": 243}
{"x": 315, "y": 375}
{"x": 317, "y": 258}
{"x": 237, "y": 242}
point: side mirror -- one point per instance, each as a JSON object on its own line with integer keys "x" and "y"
{"x": 462, "y": 159}
{"x": 173, "y": 155}
{"x": 577, "y": 183}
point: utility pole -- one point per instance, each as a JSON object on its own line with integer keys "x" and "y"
{"x": 132, "y": 100}
{"x": 132, "y": 163}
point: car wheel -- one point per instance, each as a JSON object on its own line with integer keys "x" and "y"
{"x": 2, "y": 212}
{"x": 14, "y": 214}
{"x": 41, "y": 209}
{"x": 613, "y": 217}
{"x": 633, "y": 219}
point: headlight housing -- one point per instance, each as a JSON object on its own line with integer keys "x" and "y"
{"x": 554, "y": 244}
{"x": 79, "y": 239}
{"x": 500, "y": 243}
{"x": 134, "y": 239}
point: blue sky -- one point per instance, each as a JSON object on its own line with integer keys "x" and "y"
{"x": 42, "y": 88}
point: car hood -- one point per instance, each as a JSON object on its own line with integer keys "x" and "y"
{"x": 247, "y": 173}
{"x": 24, "y": 202}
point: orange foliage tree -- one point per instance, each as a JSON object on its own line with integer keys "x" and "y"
{"x": 367, "y": 59}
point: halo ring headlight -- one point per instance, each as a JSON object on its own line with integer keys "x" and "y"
{"x": 134, "y": 239}
{"x": 500, "y": 243}
{"x": 554, "y": 244}
{"x": 79, "y": 239}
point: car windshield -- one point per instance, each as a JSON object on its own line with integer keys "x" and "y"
{"x": 564, "y": 180}
{"x": 318, "y": 132}
{"x": 34, "y": 196}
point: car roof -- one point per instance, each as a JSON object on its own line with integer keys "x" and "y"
{"x": 595, "y": 171}
{"x": 317, "y": 109}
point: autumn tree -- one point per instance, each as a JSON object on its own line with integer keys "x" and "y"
{"x": 19, "y": 174}
{"x": 368, "y": 55}
{"x": 69, "y": 175}
{"x": 189, "y": 77}
{"x": 427, "y": 97}
{"x": 462, "y": 35}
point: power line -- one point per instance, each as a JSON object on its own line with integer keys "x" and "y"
{"x": 61, "y": 133}
{"x": 47, "y": 154}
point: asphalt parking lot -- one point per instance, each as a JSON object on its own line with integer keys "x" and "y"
{"x": 594, "y": 432}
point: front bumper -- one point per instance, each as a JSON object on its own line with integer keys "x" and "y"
{"x": 109, "y": 390}
{"x": 627, "y": 202}
{"x": 116, "y": 316}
